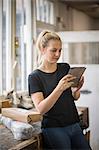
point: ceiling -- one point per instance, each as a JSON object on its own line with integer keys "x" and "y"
{"x": 90, "y": 7}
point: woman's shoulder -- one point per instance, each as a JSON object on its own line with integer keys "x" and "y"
{"x": 34, "y": 73}
{"x": 64, "y": 65}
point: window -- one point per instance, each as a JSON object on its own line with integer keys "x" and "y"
{"x": 44, "y": 11}
{"x": 4, "y": 45}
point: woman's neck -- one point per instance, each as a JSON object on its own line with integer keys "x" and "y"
{"x": 48, "y": 67}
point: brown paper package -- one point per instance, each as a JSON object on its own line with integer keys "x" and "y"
{"x": 19, "y": 114}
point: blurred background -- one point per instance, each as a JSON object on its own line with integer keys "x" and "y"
{"x": 77, "y": 23}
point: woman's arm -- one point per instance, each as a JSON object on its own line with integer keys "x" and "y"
{"x": 76, "y": 94}
{"x": 44, "y": 105}
{"x": 76, "y": 91}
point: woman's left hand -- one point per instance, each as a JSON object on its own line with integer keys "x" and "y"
{"x": 81, "y": 82}
{"x": 75, "y": 90}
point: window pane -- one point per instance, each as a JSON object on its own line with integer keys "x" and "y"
{"x": 44, "y": 11}
{"x": 21, "y": 48}
{"x": 4, "y": 45}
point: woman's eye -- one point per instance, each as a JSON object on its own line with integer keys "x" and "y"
{"x": 53, "y": 50}
{"x": 60, "y": 50}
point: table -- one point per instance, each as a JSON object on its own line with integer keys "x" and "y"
{"x": 7, "y": 141}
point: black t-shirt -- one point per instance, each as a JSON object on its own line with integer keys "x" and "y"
{"x": 64, "y": 112}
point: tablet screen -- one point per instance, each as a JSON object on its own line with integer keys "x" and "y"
{"x": 77, "y": 72}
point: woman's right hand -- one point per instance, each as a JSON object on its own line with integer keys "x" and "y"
{"x": 65, "y": 82}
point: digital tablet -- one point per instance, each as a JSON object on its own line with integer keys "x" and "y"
{"x": 77, "y": 72}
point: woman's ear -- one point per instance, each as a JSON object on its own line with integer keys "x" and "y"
{"x": 43, "y": 50}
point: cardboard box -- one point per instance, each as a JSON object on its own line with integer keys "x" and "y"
{"x": 23, "y": 115}
{"x": 5, "y": 103}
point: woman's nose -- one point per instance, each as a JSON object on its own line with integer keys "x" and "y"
{"x": 57, "y": 53}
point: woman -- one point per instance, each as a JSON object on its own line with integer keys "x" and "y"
{"x": 51, "y": 92}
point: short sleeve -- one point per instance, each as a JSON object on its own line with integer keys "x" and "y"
{"x": 34, "y": 84}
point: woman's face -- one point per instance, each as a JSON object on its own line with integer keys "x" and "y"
{"x": 52, "y": 52}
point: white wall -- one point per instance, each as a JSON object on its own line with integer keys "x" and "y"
{"x": 91, "y": 100}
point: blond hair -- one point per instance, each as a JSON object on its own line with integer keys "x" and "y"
{"x": 44, "y": 37}
{"x": 42, "y": 42}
